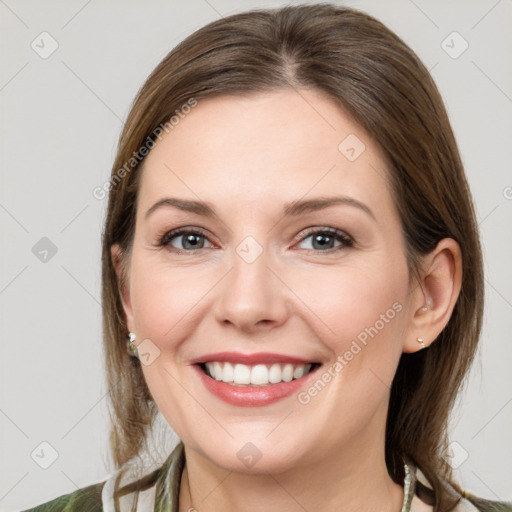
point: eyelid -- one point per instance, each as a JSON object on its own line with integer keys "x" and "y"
{"x": 346, "y": 240}
{"x": 167, "y": 235}
{"x": 321, "y": 229}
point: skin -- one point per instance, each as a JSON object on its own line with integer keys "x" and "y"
{"x": 248, "y": 156}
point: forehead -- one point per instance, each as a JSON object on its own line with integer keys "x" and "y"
{"x": 282, "y": 145}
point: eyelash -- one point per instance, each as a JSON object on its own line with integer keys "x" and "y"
{"x": 347, "y": 241}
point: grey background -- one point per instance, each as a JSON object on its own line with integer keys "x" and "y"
{"x": 61, "y": 118}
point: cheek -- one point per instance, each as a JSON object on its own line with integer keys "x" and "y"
{"x": 164, "y": 299}
{"x": 358, "y": 311}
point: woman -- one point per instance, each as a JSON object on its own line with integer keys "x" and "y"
{"x": 291, "y": 253}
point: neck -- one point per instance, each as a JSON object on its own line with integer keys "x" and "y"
{"x": 353, "y": 480}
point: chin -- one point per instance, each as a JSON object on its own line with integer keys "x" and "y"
{"x": 252, "y": 454}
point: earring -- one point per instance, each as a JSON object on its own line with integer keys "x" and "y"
{"x": 132, "y": 349}
{"x": 421, "y": 342}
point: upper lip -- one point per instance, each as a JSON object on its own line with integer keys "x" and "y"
{"x": 251, "y": 359}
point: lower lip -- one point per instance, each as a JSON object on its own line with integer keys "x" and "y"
{"x": 252, "y": 396}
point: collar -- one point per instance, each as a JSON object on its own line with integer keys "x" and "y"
{"x": 169, "y": 481}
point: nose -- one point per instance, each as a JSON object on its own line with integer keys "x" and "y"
{"x": 252, "y": 297}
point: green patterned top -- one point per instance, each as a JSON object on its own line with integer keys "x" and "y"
{"x": 159, "y": 492}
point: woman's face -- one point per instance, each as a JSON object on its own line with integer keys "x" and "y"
{"x": 255, "y": 273}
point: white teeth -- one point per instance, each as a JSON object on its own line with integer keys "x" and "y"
{"x": 298, "y": 372}
{"x": 257, "y": 375}
{"x": 288, "y": 373}
{"x": 228, "y": 372}
{"x": 274, "y": 375}
{"x": 241, "y": 375}
{"x": 217, "y": 371}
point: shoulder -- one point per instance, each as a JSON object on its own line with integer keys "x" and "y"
{"x": 86, "y": 499}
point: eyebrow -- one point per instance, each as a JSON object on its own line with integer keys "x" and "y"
{"x": 293, "y": 209}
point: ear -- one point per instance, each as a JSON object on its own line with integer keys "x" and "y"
{"x": 123, "y": 284}
{"x": 435, "y": 295}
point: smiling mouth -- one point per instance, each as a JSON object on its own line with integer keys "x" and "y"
{"x": 256, "y": 375}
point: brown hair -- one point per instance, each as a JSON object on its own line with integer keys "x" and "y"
{"x": 380, "y": 82}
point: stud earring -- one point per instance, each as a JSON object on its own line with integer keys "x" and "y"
{"x": 132, "y": 349}
{"x": 421, "y": 342}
